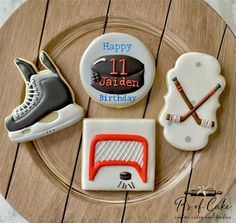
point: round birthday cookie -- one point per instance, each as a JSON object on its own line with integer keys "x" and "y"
{"x": 117, "y": 70}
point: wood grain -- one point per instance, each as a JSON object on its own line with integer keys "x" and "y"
{"x": 41, "y": 182}
{"x": 195, "y": 24}
{"x": 220, "y": 150}
{"x": 122, "y": 18}
{"x": 41, "y": 194}
{"x": 151, "y": 37}
{"x": 19, "y": 37}
{"x": 32, "y": 194}
{"x": 60, "y": 157}
{"x": 180, "y": 36}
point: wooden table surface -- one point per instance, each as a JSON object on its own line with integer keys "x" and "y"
{"x": 41, "y": 180}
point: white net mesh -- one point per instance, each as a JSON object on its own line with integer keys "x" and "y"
{"x": 119, "y": 150}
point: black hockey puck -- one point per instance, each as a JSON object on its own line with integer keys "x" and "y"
{"x": 125, "y": 176}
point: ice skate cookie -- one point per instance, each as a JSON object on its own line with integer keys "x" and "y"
{"x": 49, "y": 103}
{"x": 117, "y": 70}
{"x": 189, "y": 115}
{"x": 118, "y": 154}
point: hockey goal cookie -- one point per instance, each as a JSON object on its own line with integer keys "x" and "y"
{"x": 49, "y": 103}
{"x": 189, "y": 115}
{"x": 117, "y": 70}
{"x": 118, "y": 154}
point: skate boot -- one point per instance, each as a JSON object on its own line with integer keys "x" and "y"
{"x": 49, "y": 103}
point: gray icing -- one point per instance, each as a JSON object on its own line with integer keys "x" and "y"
{"x": 187, "y": 138}
{"x": 105, "y": 81}
{"x": 47, "y": 62}
{"x": 38, "y": 90}
{"x": 52, "y": 94}
{"x": 169, "y": 123}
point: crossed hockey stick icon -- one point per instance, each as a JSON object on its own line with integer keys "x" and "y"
{"x": 193, "y": 109}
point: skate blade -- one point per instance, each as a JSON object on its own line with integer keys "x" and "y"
{"x": 49, "y": 124}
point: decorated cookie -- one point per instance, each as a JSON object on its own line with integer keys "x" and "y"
{"x": 189, "y": 115}
{"x": 117, "y": 70}
{"x": 118, "y": 154}
{"x": 49, "y": 103}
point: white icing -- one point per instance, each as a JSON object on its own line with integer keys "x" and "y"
{"x": 117, "y": 44}
{"x": 198, "y": 74}
{"x": 117, "y": 150}
{"x": 66, "y": 117}
{"x": 108, "y": 177}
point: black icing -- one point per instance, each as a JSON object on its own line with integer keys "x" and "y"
{"x": 26, "y": 68}
{"x": 125, "y": 176}
{"x": 104, "y": 81}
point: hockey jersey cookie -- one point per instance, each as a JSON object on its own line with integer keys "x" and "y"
{"x": 118, "y": 154}
{"x": 49, "y": 103}
{"x": 189, "y": 115}
{"x": 117, "y": 70}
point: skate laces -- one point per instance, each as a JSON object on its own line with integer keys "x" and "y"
{"x": 29, "y": 102}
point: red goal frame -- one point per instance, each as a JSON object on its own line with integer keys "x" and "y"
{"x": 93, "y": 168}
